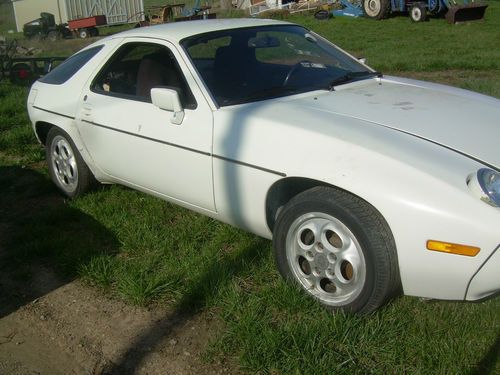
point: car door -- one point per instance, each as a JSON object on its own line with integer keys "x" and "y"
{"x": 135, "y": 142}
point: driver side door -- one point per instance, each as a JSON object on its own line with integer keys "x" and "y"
{"x": 136, "y": 143}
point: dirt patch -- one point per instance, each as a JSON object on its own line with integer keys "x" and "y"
{"x": 76, "y": 330}
{"x": 51, "y": 325}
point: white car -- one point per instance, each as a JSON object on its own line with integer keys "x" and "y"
{"x": 368, "y": 185}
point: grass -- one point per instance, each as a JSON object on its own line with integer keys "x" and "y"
{"x": 149, "y": 252}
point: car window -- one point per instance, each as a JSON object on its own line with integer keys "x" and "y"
{"x": 207, "y": 49}
{"x": 136, "y": 68}
{"x": 291, "y": 49}
{"x": 70, "y": 66}
{"x": 262, "y": 62}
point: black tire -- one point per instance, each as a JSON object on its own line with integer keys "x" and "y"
{"x": 352, "y": 261}
{"x": 73, "y": 177}
{"x": 418, "y": 12}
{"x": 322, "y": 15}
{"x": 83, "y": 33}
{"x": 53, "y": 36}
{"x": 94, "y": 31}
{"x": 21, "y": 73}
{"x": 377, "y": 9}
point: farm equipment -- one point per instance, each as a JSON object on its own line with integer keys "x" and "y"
{"x": 45, "y": 27}
{"x": 24, "y": 70}
{"x": 456, "y": 10}
{"x": 87, "y": 27}
{"x": 349, "y": 9}
{"x": 155, "y": 14}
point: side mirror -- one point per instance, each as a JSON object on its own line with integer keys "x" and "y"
{"x": 168, "y": 100}
{"x": 362, "y": 60}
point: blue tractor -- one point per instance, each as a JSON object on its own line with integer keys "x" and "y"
{"x": 456, "y": 11}
{"x": 418, "y": 10}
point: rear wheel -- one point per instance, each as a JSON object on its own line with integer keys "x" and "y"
{"x": 66, "y": 166}
{"x": 83, "y": 33}
{"x": 53, "y": 36}
{"x": 377, "y": 9}
{"x": 94, "y": 31}
{"x": 21, "y": 73}
{"x": 338, "y": 249}
{"x": 418, "y": 12}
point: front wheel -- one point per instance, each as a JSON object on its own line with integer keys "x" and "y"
{"x": 338, "y": 249}
{"x": 66, "y": 166}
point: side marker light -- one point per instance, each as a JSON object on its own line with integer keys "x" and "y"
{"x": 452, "y": 248}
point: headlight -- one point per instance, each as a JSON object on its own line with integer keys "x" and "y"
{"x": 486, "y": 184}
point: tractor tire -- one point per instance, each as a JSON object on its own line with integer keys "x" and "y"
{"x": 53, "y": 36}
{"x": 418, "y": 12}
{"x": 377, "y": 9}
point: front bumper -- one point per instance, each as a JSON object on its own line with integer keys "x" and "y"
{"x": 486, "y": 281}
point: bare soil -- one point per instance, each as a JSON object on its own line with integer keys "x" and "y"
{"x": 76, "y": 330}
{"x": 53, "y": 326}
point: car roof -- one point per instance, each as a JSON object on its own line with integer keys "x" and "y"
{"x": 176, "y": 31}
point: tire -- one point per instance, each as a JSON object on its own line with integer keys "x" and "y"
{"x": 66, "y": 166}
{"x": 338, "y": 248}
{"x": 21, "y": 73}
{"x": 94, "y": 31}
{"x": 83, "y": 33}
{"x": 418, "y": 12}
{"x": 322, "y": 15}
{"x": 53, "y": 36}
{"x": 377, "y": 9}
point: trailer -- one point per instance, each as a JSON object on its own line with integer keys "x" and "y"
{"x": 87, "y": 27}
{"x": 24, "y": 70}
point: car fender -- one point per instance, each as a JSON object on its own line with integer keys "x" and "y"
{"x": 393, "y": 171}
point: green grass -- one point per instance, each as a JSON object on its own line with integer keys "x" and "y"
{"x": 148, "y": 252}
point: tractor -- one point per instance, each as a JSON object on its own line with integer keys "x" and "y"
{"x": 456, "y": 10}
{"x": 45, "y": 27}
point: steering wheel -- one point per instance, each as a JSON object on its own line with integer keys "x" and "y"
{"x": 293, "y": 70}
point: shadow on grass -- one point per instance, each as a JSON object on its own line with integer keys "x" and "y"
{"x": 218, "y": 274}
{"x": 488, "y": 364}
{"x": 40, "y": 234}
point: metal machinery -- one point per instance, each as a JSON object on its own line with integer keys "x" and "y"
{"x": 158, "y": 14}
{"x": 456, "y": 11}
{"x": 453, "y": 10}
{"x": 23, "y": 69}
{"x": 85, "y": 27}
{"x": 44, "y": 27}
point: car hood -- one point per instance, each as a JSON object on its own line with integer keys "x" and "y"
{"x": 464, "y": 121}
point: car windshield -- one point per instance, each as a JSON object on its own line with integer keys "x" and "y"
{"x": 256, "y": 63}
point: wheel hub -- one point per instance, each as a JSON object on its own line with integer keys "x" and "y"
{"x": 64, "y": 164}
{"x": 326, "y": 258}
{"x": 321, "y": 261}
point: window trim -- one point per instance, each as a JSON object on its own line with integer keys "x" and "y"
{"x": 97, "y": 49}
{"x": 135, "y": 98}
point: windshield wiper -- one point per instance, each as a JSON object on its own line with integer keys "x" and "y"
{"x": 351, "y": 76}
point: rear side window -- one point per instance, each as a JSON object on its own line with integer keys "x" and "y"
{"x": 70, "y": 66}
